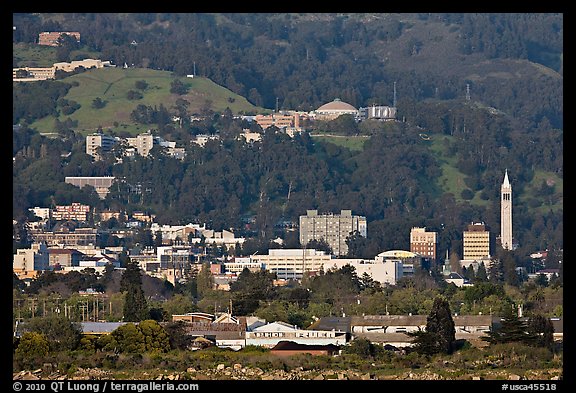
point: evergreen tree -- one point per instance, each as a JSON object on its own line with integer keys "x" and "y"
{"x": 543, "y": 329}
{"x": 496, "y": 271}
{"x": 440, "y": 321}
{"x": 135, "y": 306}
{"x": 481, "y": 275}
{"x": 512, "y": 329}
{"x": 440, "y": 333}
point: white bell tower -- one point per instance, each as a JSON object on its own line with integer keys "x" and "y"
{"x": 506, "y": 213}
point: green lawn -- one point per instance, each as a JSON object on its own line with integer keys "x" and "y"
{"x": 451, "y": 180}
{"x": 354, "y": 143}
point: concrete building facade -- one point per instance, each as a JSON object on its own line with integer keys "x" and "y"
{"x": 291, "y": 263}
{"x": 100, "y": 183}
{"x": 332, "y": 228}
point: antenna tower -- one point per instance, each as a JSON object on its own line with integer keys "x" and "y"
{"x": 394, "y": 102}
{"x": 467, "y": 91}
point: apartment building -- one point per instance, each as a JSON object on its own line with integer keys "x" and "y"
{"x": 332, "y": 228}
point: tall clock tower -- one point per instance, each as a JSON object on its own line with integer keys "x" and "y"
{"x": 506, "y": 213}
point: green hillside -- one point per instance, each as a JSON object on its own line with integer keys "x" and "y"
{"x": 112, "y": 85}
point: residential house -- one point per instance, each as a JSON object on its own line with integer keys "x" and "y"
{"x": 225, "y": 331}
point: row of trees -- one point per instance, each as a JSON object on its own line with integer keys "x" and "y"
{"x": 44, "y": 336}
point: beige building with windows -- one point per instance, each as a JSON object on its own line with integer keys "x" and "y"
{"x": 98, "y": 143}
{"x": 332, "y": 228}
{"x": 476, "y": 242}
{"x": 423, "y": 242}
{"x": 143, "y": 143}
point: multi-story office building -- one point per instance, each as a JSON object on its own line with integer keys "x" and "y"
{"x": 332, "y": 228}
{"x": 423, "y": 242}
{"x": 476, "y": 242}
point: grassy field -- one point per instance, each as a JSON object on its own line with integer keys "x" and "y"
{"x": 354, "y": 143}
{"x": 532, "y": 191}
{"x": 451, "y": 180}
{"x": 112, "y": 85}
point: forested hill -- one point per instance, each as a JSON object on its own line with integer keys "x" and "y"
{"x": 486, "y": 89}
{"x": 512, "y": 62}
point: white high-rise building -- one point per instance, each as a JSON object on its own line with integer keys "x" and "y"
{"x": 506, "y": 213}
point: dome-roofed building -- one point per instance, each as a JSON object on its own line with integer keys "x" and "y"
{"x": 334, "y": 109}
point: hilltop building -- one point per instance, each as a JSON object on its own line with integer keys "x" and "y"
{"x": 334, "y": 109}
{"x": 100, "y": 183}
{"x": 50, "y": 38}
{"x": 377, "y": 112}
